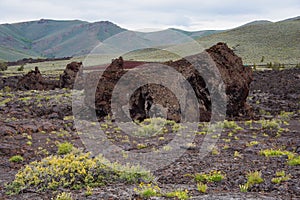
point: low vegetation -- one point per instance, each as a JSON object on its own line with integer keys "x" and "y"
{"x": 212, "y": 176}
{"x": 156, "y": 126}
{"x": 252, "y": 179}
{"x": 16, "y": 159}
{"x": 74, "y": 170}
{"x": 64, "y": 148}
{"x": 152, "y": 190}
{"x": 280, "y": 177}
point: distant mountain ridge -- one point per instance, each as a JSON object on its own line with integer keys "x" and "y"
{"x": 47, "y": 38}
{"x": 51, "y": 38}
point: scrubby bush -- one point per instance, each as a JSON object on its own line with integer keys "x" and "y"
{"x": 64, "y": 148}
{"x": 75, "y": 170}
{"x": 3, "y": 66}
{"x": 16, "y": 158}
{"x": 21, "y": 68}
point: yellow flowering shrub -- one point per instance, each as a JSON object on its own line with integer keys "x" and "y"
{"x": 74, "y": 170}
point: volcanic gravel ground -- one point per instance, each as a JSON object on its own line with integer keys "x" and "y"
{"x": 33, "y": 122}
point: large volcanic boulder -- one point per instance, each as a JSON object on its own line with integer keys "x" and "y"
{"x": 67, "y": 79}
{"x": 144, "y": 99}
{"x": 236, "y": 77}
{"x": 105, "y": 87}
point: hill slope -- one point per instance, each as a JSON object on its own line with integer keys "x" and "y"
{"x": 49, "y": 38}
{"x": 276, "y": 42}
{"x": 52, "y": 38}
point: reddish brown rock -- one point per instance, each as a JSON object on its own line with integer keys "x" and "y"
{"x": 235, "y": 76}
{"x": 73, "y": 70}
{"x": 34, "y": 80}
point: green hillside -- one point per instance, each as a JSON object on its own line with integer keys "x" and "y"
{"x": 51, "y": 38}
{"x": 255, "y": 41}
{"x": 276, "y": 42}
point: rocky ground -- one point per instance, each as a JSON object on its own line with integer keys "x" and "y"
{"x": 32, "y": 123}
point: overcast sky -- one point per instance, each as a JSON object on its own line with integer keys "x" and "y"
{"x": 141, "y": 14}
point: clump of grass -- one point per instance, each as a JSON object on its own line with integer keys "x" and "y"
{"x": 212, "y": 176}
{"x": 16, "y": 159}
{"x": 64, "y": 148}
{"x": 148, "y": 190}
{"x": 156, "y": 126}
{"x": 294, "y": 161}
{"x": 237, "y": 154}
{"x": 215, "y": 151}
{"x": 202, "y": 187}
{"x": 276, "y": 153}
{"x": 179, "y": 194}
{"x": 141, "y": 146}
{"x": 280, "y": 177}
{"x": 64, "y": 196}
{"x": 252, "y": 143}
{"x": 89, "y": 191}
{"x": 254, "y": 178}
{"x": 273, "y": 124}
{"x": 244, "y": 188}
{"x": 74, "y": 170}
{"x": 231, "y": 125}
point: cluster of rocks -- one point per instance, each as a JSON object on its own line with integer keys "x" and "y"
{"x": 199, "y": 70}
{"x": 34, "y": 80}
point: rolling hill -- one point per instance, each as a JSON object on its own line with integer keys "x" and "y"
{"x": 257, "y": 42}
{"x": 262, "y": 41}
{"x": 51, "y": 38}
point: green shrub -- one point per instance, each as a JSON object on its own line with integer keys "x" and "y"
{"x": 294, "y": 161}
{"x": 16, "y": 158}
{"x": 244, "y": 188}
{"x": 213, "y": 176}
{"x": 75, "y": 170}
{"x": 156, "y": 126}
{"x": 270, "y": 124}
{"x": 64, "y": 148}
{"x": 280, "y": 177}
{"x": 202, "y": 187}
{"x": 64, "y": 196}
{"x": 179, "y": 194}
{"x": 148, "y": 190}
{"x": 254, "y": 178}
{"x": 276, "y": 153}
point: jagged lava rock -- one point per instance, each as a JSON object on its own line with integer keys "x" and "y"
{"x": 235, "y": 76}
{"x": 67, "y": 79}
{"x": 34, "y": 80}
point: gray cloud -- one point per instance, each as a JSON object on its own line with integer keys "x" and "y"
{"x": 188, "y": 14}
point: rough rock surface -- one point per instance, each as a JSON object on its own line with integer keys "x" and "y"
{"x": 34, "y": 80}
{"x": 73, "y": 70}
{"x": 235, "y": 76}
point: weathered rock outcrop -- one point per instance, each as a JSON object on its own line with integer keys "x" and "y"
{"x": 34, "y": 80}
{"x": 73, "y": 70}
{"x": 235, "y": 76}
